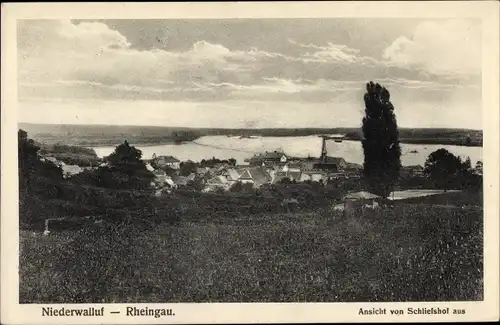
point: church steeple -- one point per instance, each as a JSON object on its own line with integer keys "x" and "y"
{"x": 323, "y": 149}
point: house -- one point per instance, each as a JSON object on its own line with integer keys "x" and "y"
{"x": 337, "y": 176}
{"x": 295, "y": 167}
{"x": 304, "y": 177}
{"x": 180, "y": 180}
{"x": 201, "y": 171}
{"x": 353, "y": 167}
{"x": 292, "y": 167}
{"x": 149, "y": 167}
{"x": 274, "y": 156}
{"x": 256, "y": 176}
{"x": 308, "y": 163}
{"x": 70, "y": 170}
{"x": 231, "y": 175}
{"x": 312, "y": 175}
{"x": 191, "y": 177}
{"x": 272, "y": 173}
{"x": 328, "y": 163}
{"x": 268, "y": 159}
{"x": 54, "y": 161}
{"x": 293, "y": 176}
{"x": 278, "y": 177}
{"x": 269, "y": 165}
{"x": 160, "y": 177}
{"x": 360, "y": 200}
{"x": 166, "y": 161}
{"x": 331, "y": 163}
{"x": 211, "y": 171}
{"x": 217, "y": 182}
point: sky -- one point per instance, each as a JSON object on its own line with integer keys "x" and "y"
{"x": 248, "y": 72}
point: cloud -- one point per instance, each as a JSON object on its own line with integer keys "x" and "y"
{"x": 441, "y": 47}
{"x": 63, "y": 59}
{"x": 97, "y": 55}
{"x": 333, "y": 53}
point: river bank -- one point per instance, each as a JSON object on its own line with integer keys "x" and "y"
{"x": 111, "y": 135}
{"x": 224, "y": 147}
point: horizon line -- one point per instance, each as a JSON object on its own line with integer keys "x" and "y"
{"x": 243, "y": 128}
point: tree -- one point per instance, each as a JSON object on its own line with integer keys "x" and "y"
{"x": 27, "y": 155}
{"x": 236, "y": 187}
{"x": 195, "y": 185}
{"x": 443, "y": 168}
{"x": 29, "y": 163}
{"x": 479, "y": 168}
{"x": 37, "y": 180}
{"x": 381, "y": 148}
{"x": 467, "y": 165}
{"x": 240, "y": 187}
{"x": 232, "y": 161}
{"x": 125, "y": 169}
{"x": 285, "y": 180}
{"x": 187, "y": 167}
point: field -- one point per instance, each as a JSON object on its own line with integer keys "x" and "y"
{"x": 401, "y": 253}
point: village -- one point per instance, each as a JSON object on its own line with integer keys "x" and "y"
{"x": 269, "y": 167}
{"x": 266, "y": 168}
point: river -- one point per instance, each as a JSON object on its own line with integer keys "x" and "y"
{"x": 223, "y": 147}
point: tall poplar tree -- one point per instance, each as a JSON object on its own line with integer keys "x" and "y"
{"x": 381, "y": 147}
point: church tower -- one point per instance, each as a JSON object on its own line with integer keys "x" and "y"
{"x": 323, "y": 150}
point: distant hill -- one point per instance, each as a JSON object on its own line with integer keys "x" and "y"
{"x": 102, "y": 135}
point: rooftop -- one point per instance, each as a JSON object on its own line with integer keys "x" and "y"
{"x": 334, "y": 160}
{"x": 168, "y": 158}
{"x": 361, "y": 195}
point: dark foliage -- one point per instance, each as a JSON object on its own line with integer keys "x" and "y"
{"x": 35, "y": 176}
{"x": 71, "y": 155}
{"x": 448, "y": 171}
{"x": 214, "y": 161}
{"x": 125, "y": 169}
{"x": 115, "y": 192}
{"x": 195, "y": 185}
{"x": 187, "y": 167}
{"x": 380, "y": 144}
{"x": 240, "y": 187}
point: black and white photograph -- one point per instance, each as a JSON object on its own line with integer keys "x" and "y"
{"x": 251, "y": 160}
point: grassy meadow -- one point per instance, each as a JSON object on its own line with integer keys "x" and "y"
{"x": 408, "y": 252}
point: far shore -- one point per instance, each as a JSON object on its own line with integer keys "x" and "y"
{"x": 92, "y": 136}
{"x": 450, "y": 142}
{"x": 136, "y": 144}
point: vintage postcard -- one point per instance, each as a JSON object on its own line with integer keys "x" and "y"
{"x": 309, "y": 162}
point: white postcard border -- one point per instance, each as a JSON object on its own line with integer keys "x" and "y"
{"x": 14, "y": 313}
